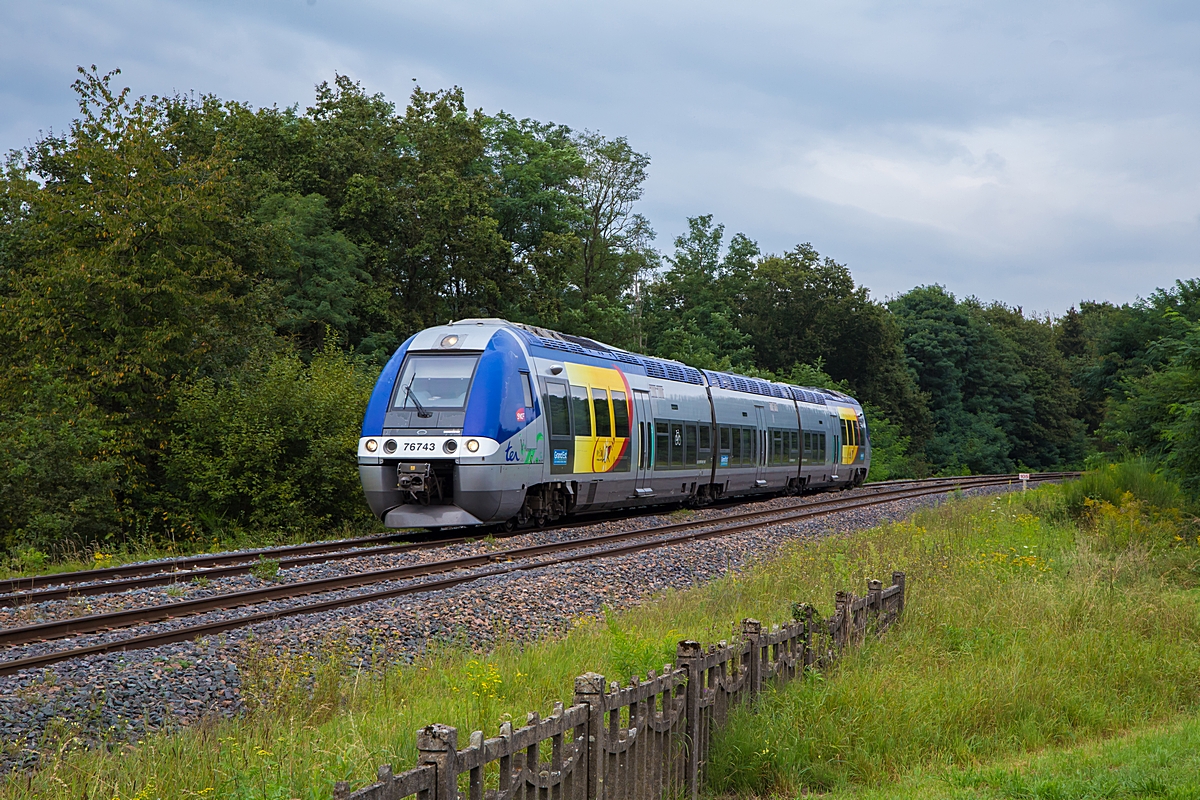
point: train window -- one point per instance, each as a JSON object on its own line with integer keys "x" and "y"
{"x": 752, "y": 433}
{"x": 794, "y": 450}
{"x": 676, "y": 444}
{"x": 705, "y": 436}
{"x": 620, "y": 415}
{"x": 735, "y": 457}
{"x": 662, "y": 444}
{"x": 724, "y": 438}
{"x": 821, "y": 454}
{"x": 434, "y": 382}
{"x": 776, "y": 447}
{"x": 556, "y": 406}
{"x": 581, "y": 410}
{"x": 603, "y": 415}
{"x": 527, "y": 389}
{"x": 690, "y": 444}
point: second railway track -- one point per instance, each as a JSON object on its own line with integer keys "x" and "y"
{"x": 469, "y": 568}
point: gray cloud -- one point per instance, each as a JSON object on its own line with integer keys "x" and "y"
{"x": 1028, "y": 152}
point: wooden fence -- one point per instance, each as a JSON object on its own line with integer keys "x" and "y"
{"x": 645, "y": 741}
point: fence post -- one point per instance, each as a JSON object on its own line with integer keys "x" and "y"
{"x": 802, "y": 612}
{"x": 752, "y": 633}
{"x": 841, "y": 615}
{"x": 438, "y": 745}
{"x": 589, "y": 688}
{"x": 875, "y": 599}
{"x": 898, "y": 580}
{"x": 689, "y": 655}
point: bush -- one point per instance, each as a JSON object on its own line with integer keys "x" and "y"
{"x": 273, "y": 448}
{"x": 60, "y": 468}
{"x": 1119, "y": 483}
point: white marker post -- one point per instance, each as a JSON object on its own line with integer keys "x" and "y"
{"x": 1024, "y": 476}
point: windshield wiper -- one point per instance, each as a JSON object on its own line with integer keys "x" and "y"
{"x": 421, "y": 412}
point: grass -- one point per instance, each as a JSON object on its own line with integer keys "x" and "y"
{"x": 1035, "y": 623}
{"x": 1023, "y": 631}
{"x": 1159, "y": 761}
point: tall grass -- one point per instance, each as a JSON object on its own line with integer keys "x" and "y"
{"x": 963, "y": 658}
{"x": 1022, "y": 631}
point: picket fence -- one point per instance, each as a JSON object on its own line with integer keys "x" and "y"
{"x": 645, "y": 741}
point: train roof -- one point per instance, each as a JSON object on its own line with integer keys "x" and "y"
{"x": 662, "y": 368}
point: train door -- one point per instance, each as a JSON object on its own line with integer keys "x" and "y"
{"x": 562, "y": 443}
{"x": 645, "y": 442}
{"x": 835, "y": 451}
{"x": 760, "y": 454}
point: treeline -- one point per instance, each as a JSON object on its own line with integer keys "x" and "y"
{"x": 196, "y": 296}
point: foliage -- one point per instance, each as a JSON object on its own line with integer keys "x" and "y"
{"x": 60, "y": 469}
{"x": 999, "y": 390}
{"x": 265, "y": 569}
{"x": 691, "y": 314}
{"x": 272, "y": 448}
{"x": 119, "y": 272}
{"x": 1160, "y": 412}
{"x": 317, "y": 269}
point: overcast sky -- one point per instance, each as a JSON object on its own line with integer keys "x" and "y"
{"x": 1031, "y": 152}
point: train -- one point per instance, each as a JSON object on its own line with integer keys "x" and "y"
{"x": 489, "y": 422}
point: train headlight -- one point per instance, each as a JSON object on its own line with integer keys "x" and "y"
{"x": 450, "y": 446}
{"x": 473, "y": 445}
{"x": 389, "y": 446}
{"x": 371, "y": 445}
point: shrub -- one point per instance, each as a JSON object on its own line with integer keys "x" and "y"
{"x": 60, "y": 468}
{"x": 273, "y": 448}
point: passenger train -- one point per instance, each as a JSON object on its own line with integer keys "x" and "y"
{"x": 485, "y": 421}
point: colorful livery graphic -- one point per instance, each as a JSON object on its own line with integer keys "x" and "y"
{"x": 484, "y": 421}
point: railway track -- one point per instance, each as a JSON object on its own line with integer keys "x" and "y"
{"x": 467, "y": 568}
{"x": 42, "y": 588}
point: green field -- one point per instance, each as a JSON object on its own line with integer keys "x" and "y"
{"x": 1046, "y": 636}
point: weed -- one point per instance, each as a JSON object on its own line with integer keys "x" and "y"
{"x": 265, "y": 569}
{"x": 175, "y": 590}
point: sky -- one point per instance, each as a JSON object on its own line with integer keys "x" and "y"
{"x": 1035, "y": 153}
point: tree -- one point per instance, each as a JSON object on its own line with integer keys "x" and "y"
{"x": 121, "y": 272}
{"x": 691, "y": 312}
{"x": 998, "y": 388}
{"x": 316, "y": 268}
{"x": 1158, "y": 413}
{"x": 614, "y": 242}
{"x": 801, "y": 308}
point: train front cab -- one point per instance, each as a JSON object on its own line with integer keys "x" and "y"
{"x": 453, "y": 431}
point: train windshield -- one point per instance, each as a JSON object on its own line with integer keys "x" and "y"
{"x": 434, "y": 382}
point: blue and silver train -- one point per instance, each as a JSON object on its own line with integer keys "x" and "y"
{"x": 485, "y": 421}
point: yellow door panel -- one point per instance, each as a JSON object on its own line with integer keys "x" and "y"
{"x": 585, "y": 448}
